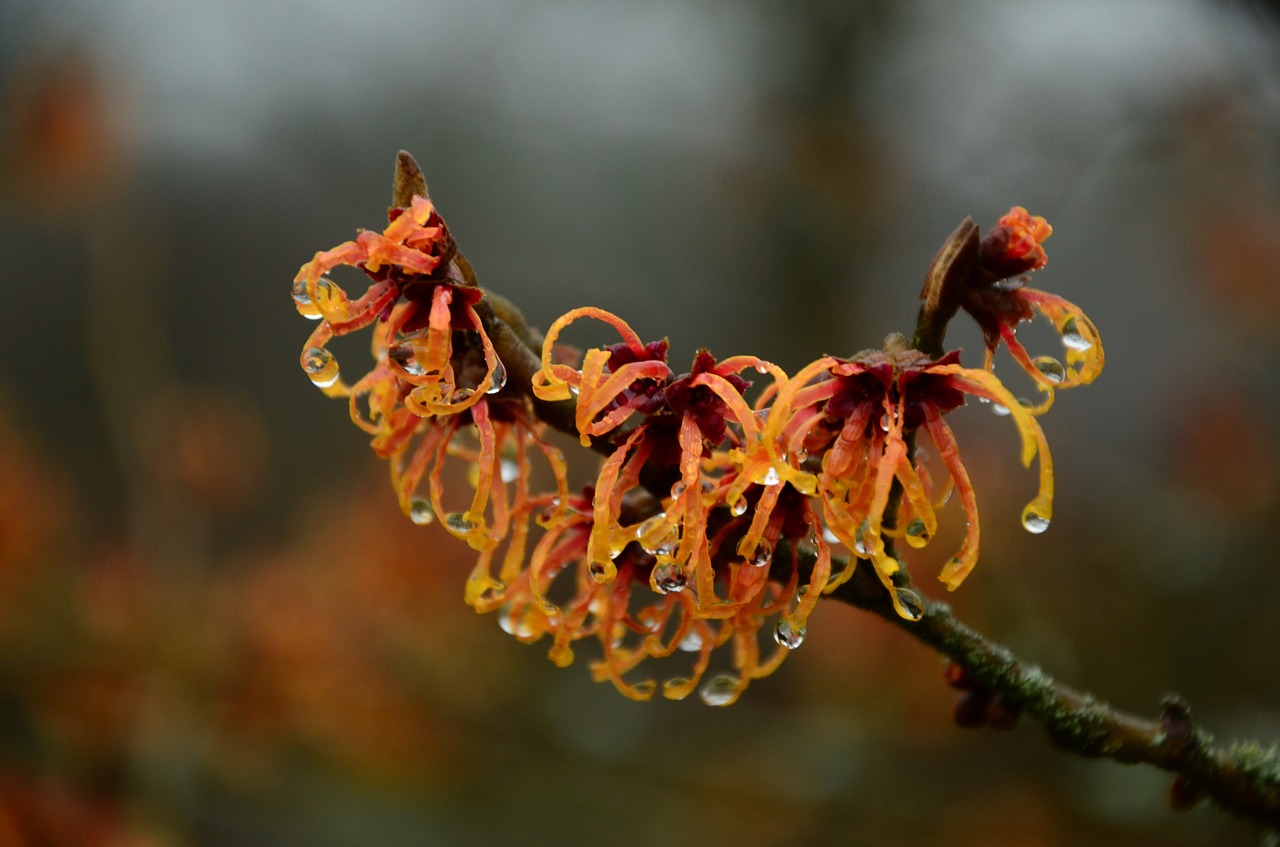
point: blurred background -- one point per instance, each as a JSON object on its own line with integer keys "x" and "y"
{"x": 217, "y": 629}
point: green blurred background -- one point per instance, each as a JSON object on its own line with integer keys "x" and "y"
{"x": 217, "y": 629}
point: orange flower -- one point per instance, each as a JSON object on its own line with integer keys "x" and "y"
{"x": 426, "y": 393}
{"x": 999, "y": 301}
{"x": 421, "y": 293}
{"x": 856, "y": 414}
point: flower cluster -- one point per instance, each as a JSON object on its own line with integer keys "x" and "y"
{"x": 719, "y": 508}
{"x": 436, "y": 387}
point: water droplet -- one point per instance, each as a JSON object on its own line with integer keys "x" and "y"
{"x": 402, "y": 356}
{"x": 459, "y": 523}
{"x": 499, "y": 377}
{"x": 508, "y": 470}
{"x": 300, "y": 295}
{"x": 771, "y": 477}
{"x": 669, "y": 578}
{"x": 461, "y": 394}
{"x": 762, "y": 368}
{"x": 573, "y": 389}
{"x": 602, "y": 572}
{"x": 515, "y": 623}
{"x": 673, "y": 685}
{"x": 692, "y": 642}
{"x": 420, "y": 511}
{"x": 320, "y": 366}
{"x": 801, "y": 455}
{"x": 720, "y": 690}
{"x": 762, "y": 556}
{"x": 785, "y": 635}
{"x": 707, "y": 487}
{"x": 885, "y": 422}
{"x": 910, "y": 604}
{"x": 859, "y": 545}
{"x": 917, "y": 529}
{"x": 829, "y": 536}
{"x": 677, "y": 490}
{"x": 999, "y": 409}
{"x": 1072, "y": 338}
{"x": 1052, "y": 369}
{"x": 739, "y": 507}
{"x": 1033, "y": 522}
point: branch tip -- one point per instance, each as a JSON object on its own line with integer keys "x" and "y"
{"x": 407, "y": 182}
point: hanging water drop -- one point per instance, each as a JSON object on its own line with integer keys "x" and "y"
{"x": 300, "y": 295}
{"x": 771, "y": 477}
{"x": 917, "y": 530}
{"x": 739, "y": 507}
{"x": 1051, "y": 368}
{"x": 720, "y": 690}
{"x": 787, "y": 636}
{"x": 762, "y": 555}
{"x": 461, "y": 394}
{"x": 859, "y": 542}
{"x": 829, "y": 536}
{"x": 677, "y": 490}
{"x": 459, "y": 523}
{"x": 669, "y": 578}
{"x": 1072, "y": 338}
{"x": 320, "y": 366}
{"x": 692, "y": 642}
{"x": 401, "y": 355}
{"x": 910, "y": 604}
{"x": 508, "y": 470}
{"x": 420, "y": 511}
{"x": 1034, "y": 522}
{"x": 601, "y": 572}
{"x": 999, "y": 409}
{"x": 499, "y": 377}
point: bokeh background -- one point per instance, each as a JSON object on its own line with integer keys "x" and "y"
{"x": 217, "y": 629}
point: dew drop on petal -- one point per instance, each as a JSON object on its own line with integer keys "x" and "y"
{"x": 720, "y": 690}
{"x": 739, "y": 507}
{"x": 320, "y": 366}
{"x": 916, "y": 529}
{"x": 911, "y": 606}
{"x": 499, "y": 377}
{"x": 300, "y": 295}
{"x": 1050, "y": 368}
{"x": 999, "y": 409}
{"x": 1072, "y": 338}
{"x": 508, "y": 470}
{"x": 420, "y": 511}
{"x": 1033, "y": 522}
{"x": 677, "y": 490}
{"x": 692, "y": 642}
{"x": 762, "y": 555}
{"x": 573, "y": 389}
{"x": 402, "y": 356}
{"x": 462, "y": 394}
{"x": 762, "y": 368}
{"x": 670, "y": 578}
{"x": 787, "y": 636}
{"x": 829, "y": 536}
{"x": 459, "y": 523}
{"x": 771, "y": 477}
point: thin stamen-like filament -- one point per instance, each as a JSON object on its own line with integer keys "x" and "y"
{"x": 949, "y": 451}
{"x": 553, "y": 380}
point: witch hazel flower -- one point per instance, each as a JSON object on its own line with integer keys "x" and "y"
{"x": 434, "y": 389}
{"x": 999, "y": 300}
{"x": 856, "y": 415}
